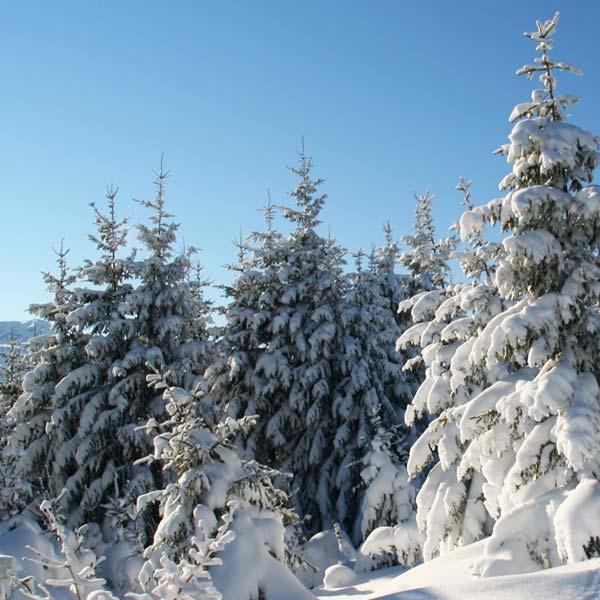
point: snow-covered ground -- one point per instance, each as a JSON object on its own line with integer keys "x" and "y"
{"x": 451, "y": 577}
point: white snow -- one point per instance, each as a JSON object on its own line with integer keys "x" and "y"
{"x": 338, "y": 576}
{"x": 577, "y": 520}
{"x": 451, "y": 578}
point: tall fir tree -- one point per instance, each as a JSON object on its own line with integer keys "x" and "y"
{"x": 52, "y": 357}
{"x": 450, "y": 512}
{"x": 168, "y": 314}
{"x": 383, "y": 261}
{"x": 371, "y": 442}
{"x": 426, "y": 257}
{"x": 281, "y": 344}
{"x": 522, "y": 419}
{"x": 301, "y": 426}
{"x": 13, "y": 365}
{"x": 89, "y": 402}
{"x": 92, "y": 436}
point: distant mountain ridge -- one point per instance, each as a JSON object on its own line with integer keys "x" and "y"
{"x": 22, "y": 330}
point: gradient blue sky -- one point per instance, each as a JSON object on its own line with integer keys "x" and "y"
{"x": 389, "y": 95}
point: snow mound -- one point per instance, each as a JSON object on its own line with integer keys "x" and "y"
{"x": 450, "y": 577}
{"x": 257, "y": 571}
{"x": 338, "y": 576}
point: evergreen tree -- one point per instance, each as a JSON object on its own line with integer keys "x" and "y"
{"x": 447, "y": 321}
{"x": 392, "y": 286}
{"x": 168, "y": 315}
{"x": 235, "y": 383}
{"x": 80, "y": 435}
{"x": 426, "y": 258}
{"x": 370, "y": 443}
{"x": 13, "y": 364}
{"x": 32, "y": 442}
{"x": 281, "y": 344}
{"x": 518, "y": 436}
{"x": 92, "y": 437}
{"x": 217, "y": 513}
{"x": 300, "y": 429}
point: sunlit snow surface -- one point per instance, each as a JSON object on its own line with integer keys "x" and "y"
{"x": 450, "y": 578}
{"x": 447, "y": 578}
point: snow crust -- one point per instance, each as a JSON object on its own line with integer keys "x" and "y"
{"x": 451, "y": 577}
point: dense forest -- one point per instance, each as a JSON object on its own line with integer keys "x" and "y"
{"x": 339, "y": 412}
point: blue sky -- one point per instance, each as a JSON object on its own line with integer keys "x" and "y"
{"x": 389, "y": 96}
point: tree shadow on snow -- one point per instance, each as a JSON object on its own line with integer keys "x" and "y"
{"x": 336, "y": 593}
{"x": 418, "y": 594}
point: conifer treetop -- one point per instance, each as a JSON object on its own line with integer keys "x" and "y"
{"x": 58, "y": 285}
{"x": 159, "y": 237}
{"x": 426, "y": 258}
{"x": 111, "y": 237}
{"x": 112, "y": 233}
{"x": 308, "y": 202}
{"x": 269, "y": 212}
{"x": 545, "y": 150}
{"x": 383, "y": 259}
{"x": 545, "y": 102}
{"x": 267, "y": 240}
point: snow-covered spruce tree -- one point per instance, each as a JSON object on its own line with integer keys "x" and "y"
{"x": 72, "y": 565}
{"x": 450, "y": 511}
{"x": 253, "y": 293}
{"x": 300, "y": 429}
{"x": 426, "y": 258}
{"x": 52, "y": 356}
{"x": 221, "y": 532}
{"x": 168, "y": 305}
{"x": 170, "y": 317}
{"x": 82, "y": 453}
{"x": 392, "y": 287}
{"x": 281, "y": 345}
{"x": 136, "y": 330}
{"x": 13, "y": 364}
{"x": 519, "y": 414}
{"x": 371, "y": 442}
{"x": 551, "y": 271}
{"x": 426, "y": 261}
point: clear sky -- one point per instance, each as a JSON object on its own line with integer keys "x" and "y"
{"x": 389, "y": 95}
